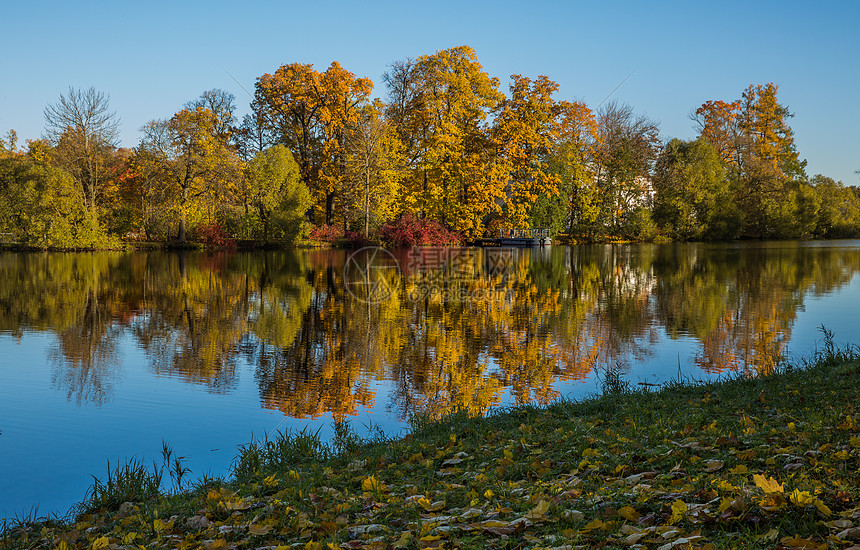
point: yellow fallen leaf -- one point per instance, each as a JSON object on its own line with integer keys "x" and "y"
{"x": 854, "y": 441}
{"x": 679, "y": 510}
{"x": 714, "y": 466}
{"x": 769, "y": 486}
{"x": 404, "y": 540}
{"x": 431, "y": 506}
{"x": 801, "y": 498}
{"x": 234, "y": 505}
{"x": 797, "y": 542}
{"x": 371, "y": 484}
{"x": 823, "y": 507}
{"x": 101, "y": 542}
{"x": 739, "y": 469}
{"x": 594, "y": 525}
{"x": 629, "y": 513}
{"x": 769, "y": 536}
{"x": 539, "y": 511}
{"x": 259, "y": 530}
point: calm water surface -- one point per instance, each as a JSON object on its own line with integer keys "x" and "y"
{"x": 103, "y": 356}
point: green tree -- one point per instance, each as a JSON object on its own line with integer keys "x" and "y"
{"x": 692, "y": 194}
{"x": 273, "y": 186}
{"x": 768, "y": 178}
{"x": 839, "y": 211}
{"x": 43, "y": 204}
{"x": 628, "y": 147}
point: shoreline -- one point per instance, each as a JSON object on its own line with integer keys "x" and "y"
{"x": 752, "y": 462}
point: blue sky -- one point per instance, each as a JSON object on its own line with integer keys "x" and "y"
{"x": 151, "y": 57}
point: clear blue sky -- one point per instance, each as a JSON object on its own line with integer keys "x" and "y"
{"x": 151, "y": 57}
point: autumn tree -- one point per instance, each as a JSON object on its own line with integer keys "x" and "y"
{"x": 524, "y": 132}
{"x": 839, "y": 210}
{"x": 310, "y": 112}
{"x": 200, "y": 170}
{"x": 9, "y": 144}
{"x": 450, "y": 98}
{"x": 756, "y": 144}
{"x": 222, "y": 105}
{"x": 374, "y": 164}
{"x": 573, "y": 158}
{"x": 84, "y": 132}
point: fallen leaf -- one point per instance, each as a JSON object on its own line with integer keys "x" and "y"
{"x": 714, "y": 466}
{"x": 679, "y": 510}
{"x": 769, "y": 486}
{"x": 539, "y": 511}
{"x": 629, "y": 513}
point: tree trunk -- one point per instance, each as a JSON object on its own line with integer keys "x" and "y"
{"x": 367, "y": 204}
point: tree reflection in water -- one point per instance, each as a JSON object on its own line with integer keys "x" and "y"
{"x": 453, "y": 334}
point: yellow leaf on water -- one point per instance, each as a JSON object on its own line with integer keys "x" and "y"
{"x": 769, "y": 486}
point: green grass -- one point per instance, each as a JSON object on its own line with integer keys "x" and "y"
{"x": 756, "y": 462}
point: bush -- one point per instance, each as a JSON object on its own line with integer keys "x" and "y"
{"x": 326, "y": 233}
{"x": 408, "y": 230}
{"x": 213, "y": 236}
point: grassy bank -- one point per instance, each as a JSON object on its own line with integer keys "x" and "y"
{"x": 762, "y": 462}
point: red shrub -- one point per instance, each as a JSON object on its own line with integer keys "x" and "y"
{"x": 326, "y": 233}
{"x": 408, "y": 230}
{"x": 213, "y": 236}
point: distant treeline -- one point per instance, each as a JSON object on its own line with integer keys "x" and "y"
{"x": 446, "y": 147}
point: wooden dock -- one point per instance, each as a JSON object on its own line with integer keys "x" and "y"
{"x": 516, "y": 238}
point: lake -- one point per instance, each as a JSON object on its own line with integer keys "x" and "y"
{"x": 103, "y": 356}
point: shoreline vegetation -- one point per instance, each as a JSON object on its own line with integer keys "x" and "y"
{"x": 771, "y": 461}
{"x": 446, "y": 154}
